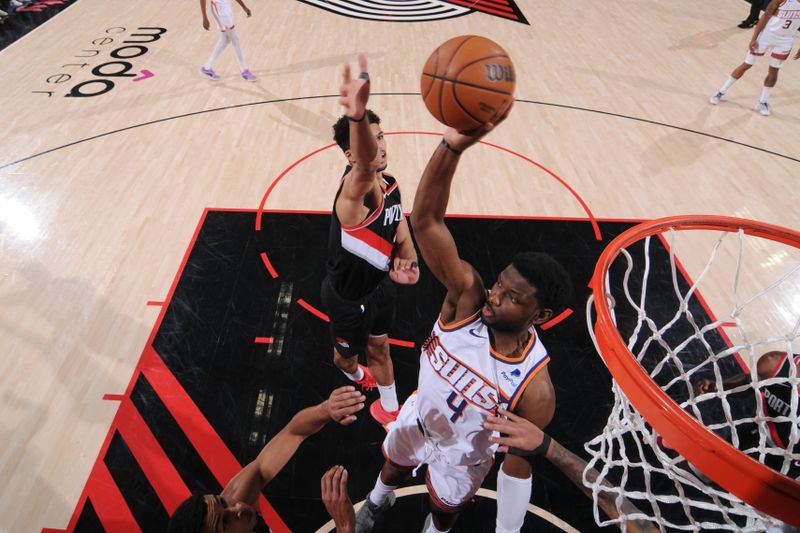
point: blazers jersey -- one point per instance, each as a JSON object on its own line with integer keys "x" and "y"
{"x": 777, "y": 398}
{"x": 462, "y": 380}
{"x": 360, "y": 256}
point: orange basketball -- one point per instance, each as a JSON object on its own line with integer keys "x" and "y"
{"x": 467, "y": 82}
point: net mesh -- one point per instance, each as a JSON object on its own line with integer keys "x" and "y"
{"x": 671, "y": 331}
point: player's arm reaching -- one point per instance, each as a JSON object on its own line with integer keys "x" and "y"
{"x": 405, "y": 268}
{"x": 523, "y": 435}
{"x": 206, "y": 24}
{"x": 465, "y": 290}
{"x": 762, "y": 22}
{"x": 767, "y": 364}
{"x": 354, "y": 95}
{"x": 341, "y": 407}
{"x": 246, "y": 9}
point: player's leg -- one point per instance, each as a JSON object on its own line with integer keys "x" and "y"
{"x": 513, "y": 493}
{"x": 380, "y": 312}
{"x": 404, "y": 449}
{"x": 451, "y": 489}
{"x": 208, "y": 68}
{"x": 778, "y": 56}
{"x": 237, "y": 48}
{"x": 749, "y": 60}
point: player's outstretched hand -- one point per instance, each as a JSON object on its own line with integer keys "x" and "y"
{"x": 355, "y": 91}
{"x": 343, "y": 403}
{"x": 520, "y": 433}
{"x": 404, "y": 271}
{"x": 336, "y": 500}
{"x": 461, "y": 140}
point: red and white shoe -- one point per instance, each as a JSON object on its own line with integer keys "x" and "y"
{"x": 382, "y": 415}
{"x": 367, "y": 382}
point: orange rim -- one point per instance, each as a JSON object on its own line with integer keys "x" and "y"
{"x": 760, "y": 486}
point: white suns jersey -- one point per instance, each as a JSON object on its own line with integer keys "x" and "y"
{"x": 462, "y": 380}
{"x": 786, "y": 20}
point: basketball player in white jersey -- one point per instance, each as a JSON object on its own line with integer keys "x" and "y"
{"x": 223, "y": 15}
{"x": 484, "y": 353}
{"x": 774, "y": 33}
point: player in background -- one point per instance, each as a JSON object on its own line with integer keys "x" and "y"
{"x": 774, "y": 33}
{"x": 369, "y": 250}
{"x": 223, "y": 15}
{"x": 484, "y": 353}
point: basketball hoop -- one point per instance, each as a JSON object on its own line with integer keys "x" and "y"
{"x": 647, "y": 414}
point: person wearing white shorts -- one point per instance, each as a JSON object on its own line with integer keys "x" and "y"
{"x": 223, "y": 16}
{"x": 774, "y": 35}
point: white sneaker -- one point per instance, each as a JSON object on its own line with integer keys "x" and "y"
{"x": 763, "y": 108}
{"x": 716, "y": 97}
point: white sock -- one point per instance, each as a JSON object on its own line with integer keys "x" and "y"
{"x": 380, "y": 492}
{"x": 221, "y": 44}
{"x": 765, "y": 94}
{"x": 431, "y": 527}
{"x": 358, "y": 375}
{"x": 237, "y": 48}
{"x": 388, "y": 397}
{"x": 513, "y": 497}
{"x": 727, "y": 85}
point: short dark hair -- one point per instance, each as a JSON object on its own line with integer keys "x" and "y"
{"x": 189, "y": 516}
{"x": 552, "y": 282}
{"x": 341, "y": 130}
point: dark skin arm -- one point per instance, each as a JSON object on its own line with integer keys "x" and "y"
{"x": 341, "y": 407}
{"x": 762, "y": 22}
{"x": 765, "y": 368}
{"x": 333, "y": 486}
{"x": 522, "y": 434}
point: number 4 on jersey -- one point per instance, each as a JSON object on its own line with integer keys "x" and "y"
{"x": 458, "y": 410}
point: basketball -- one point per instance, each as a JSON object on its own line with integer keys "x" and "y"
{"x": 468, "y": 81}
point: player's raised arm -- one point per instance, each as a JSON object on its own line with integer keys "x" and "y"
{"x": 434, "y": 240}
{"x": 354, "y": 95}
{"x": 340, "y": 407}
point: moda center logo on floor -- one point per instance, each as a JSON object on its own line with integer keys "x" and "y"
{"x": 420, "y": 10}
{"x": 109, "y": 58}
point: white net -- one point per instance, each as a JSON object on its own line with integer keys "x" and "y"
{"x": 707, "y": 352}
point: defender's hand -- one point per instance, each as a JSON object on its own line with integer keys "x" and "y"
{"x": 355, "y": 92}
{"x": 343, "y": 403}
{"x": 404, "y": 271}
{"x": 334, "y": 495}
{"x": 521, "y": 433}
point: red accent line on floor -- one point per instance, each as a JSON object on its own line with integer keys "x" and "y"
{"x": 280, "y": 177}
{"x": 396, "y": 342}
{"x": 155, "y": 304}
{"x": 205, "y": 440}
{"x": 114, "y": 397}
{"x": 728, "y": 324}
{"x": 108, "y": 503}
{"x": 313, "y": 310}
{"x": 157, "y": 468}
{"x": 268, "y": 264}
{"x": 556, "y": 319}
{"x": 263, "y": 340}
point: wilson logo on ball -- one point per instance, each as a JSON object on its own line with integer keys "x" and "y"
{"x": 499, "y": 72}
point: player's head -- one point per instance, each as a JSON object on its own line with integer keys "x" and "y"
{"x": 530, "y": 290}
{"x": 210, "y": 513}
{"x": 341, "y": 134}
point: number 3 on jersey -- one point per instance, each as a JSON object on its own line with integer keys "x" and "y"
{"x": 458, "y": 410}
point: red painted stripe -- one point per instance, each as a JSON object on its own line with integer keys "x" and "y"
{"x": 407, "y": 344}
{"x": 556, "y": 319}
{"x": 313, "y": 310}
{"x": 220, "y": 461}
{"x": 108, "y": 503}
{"x": 279, "y": 178}
{"x": 263, "y": 340}
{"x": 155, "y": 464}
{"x": 472, "y": 4}
{"x": 268, "y": 264}
{"x": 155, "y": 304}
{"x": 114, "y": 397}
{"x": 728, "y": 324}
{"x": 373, "y": 240}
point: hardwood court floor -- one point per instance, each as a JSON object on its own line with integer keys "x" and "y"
{"x": 100, "y": 196}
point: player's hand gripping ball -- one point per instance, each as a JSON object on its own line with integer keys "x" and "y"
{"x": 467, "y": 82}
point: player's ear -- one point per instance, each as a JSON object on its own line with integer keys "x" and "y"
{"x": 542, "y": 316}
